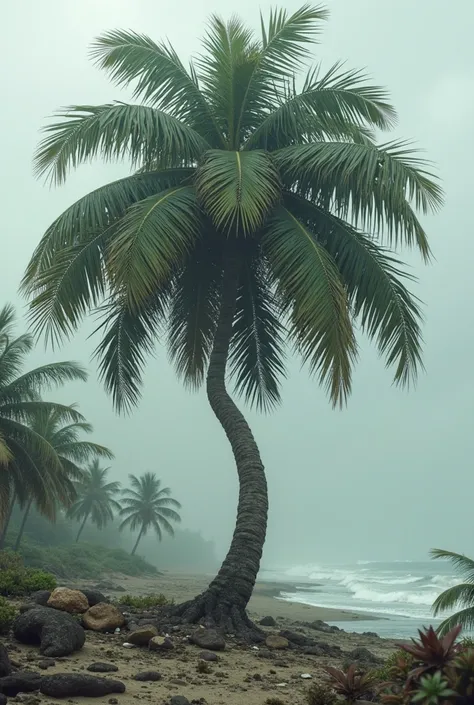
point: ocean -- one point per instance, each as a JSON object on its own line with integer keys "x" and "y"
{"x": 399, "y": 595}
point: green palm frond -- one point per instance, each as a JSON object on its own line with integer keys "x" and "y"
{"x": 371, "y": 185}
{"x": 28, "y": 411}
{"x": 257, "y": 346}
{"x": 315, "y": 298}
{"x": 42, "y": 378}
{"x": 237, "y": 189}
{"x": 128, "y": 338}
{"x": 152, "y": 239}
{"x": 461, "y": 595}
{"x": 463, "y": 565}
{"x": 115, "y": 131}
{"x": 385, "y": 308}
{"x": 5, "y": 452}
{"x": 193, "y": 312}
{"x": 12, "y": 356}
{"x": 7, "y": 320}
{"x": 160, "y": 78}
{"x": 464, "y": 617}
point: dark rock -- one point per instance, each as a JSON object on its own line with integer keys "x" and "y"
{"x": 179, "y": 700}
{"x": 113, "y": 701}
{"x": 3, "y": 699}
{"x": 319, "y": 626}
{"x": 268, "y": 622}
{"x": 5, "y": 665}
{"x": 208, "y": 656}
{"x": 297, "y": 639}
{"x": 160, "y": 643}
{"x": 363, "y": 655}
{"x": 46, "y": 663}
{"x": 25, "y": 606}
{"x": 208, "y": 639}
{"x": 321, "y": 648}
{"x": 148, "y": 676}
{"x": 102, "y": 667}
{"x": 58, "y": 633}
{"x": 40, "y": 597}
{"x": 142, "y": 635}
{"x": 21, "y": 682}
{"x": 93, "y": 596}
{"x": 66, "y": 685}
{"x": 372, "y": 634}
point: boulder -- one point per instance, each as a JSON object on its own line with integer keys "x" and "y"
{"x": 67, "y": 600}
{"x": 40, "y": 597}
{"x": 160, "y": 643}
{"x": 94, "y": 596}
{"x": 363, "y": 655}
{"x": 148, "y": 676}
{"x": 268, "y": 622}
{"x": 103, "y": 617}
{"x": 99, "y": 667}
{"x": 142, "y": 635}
{"x": 20, "y": 682}
{"x": 296, "y": 638}
{"x": 209, "y": 639}
{"x": 5, "y": 665}
{"x": 57, "y": 633}
{"x": 208, "y": 656}
{"x": 273, "y": 641}
{"x": 67, "y": 685}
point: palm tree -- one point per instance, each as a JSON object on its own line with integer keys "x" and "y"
{"x": 28, "y": 464}
{"x": 95, "y": 498}
{"x": 147, "y": 505}
{"x": 458, "y": 596}
{"x": 259, "y": 212}
{"x": 72, "y": 451}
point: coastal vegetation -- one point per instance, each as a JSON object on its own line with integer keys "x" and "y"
{"x": 260, "y": 212}
{"x": 459, "y": 598}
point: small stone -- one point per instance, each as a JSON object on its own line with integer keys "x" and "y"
{"x": 282, "y": 685}
{"x": 112, "y": 701}
{"x": 273, "y": 641}
{"x": 208, "y": 656}
{"x": 160, "y": 643}
{"x": 142, "y": 635}
{"x": 66, "y": 600}
{"x": 179, "y": 700}
{"x": 46, "y": 663}
{"x": 208, "y": 639}
{"x": 99, "y": 667}
{"x": 268, "y": 622}
{"x": 306, "y": 675}
{"x": 148, "y": 676}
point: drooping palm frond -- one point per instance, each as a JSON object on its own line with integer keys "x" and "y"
{"x": 48, "y": 376}
{"x": 463, "y": 565}
{"x": 461, "y": 595}
{"x": 257, "y": 347}
{"x": 464, "y": 617}
{"x": 237, "y": 189}
{"x": 315, "y": 298}
{"x": 115, "y": 131}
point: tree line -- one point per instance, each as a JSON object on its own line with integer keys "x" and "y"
{"x": 45, "y": 460}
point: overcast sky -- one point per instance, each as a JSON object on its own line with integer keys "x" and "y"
{"x": 390, "y": 476}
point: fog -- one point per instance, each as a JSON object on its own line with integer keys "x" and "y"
{"x": 390, "y": 476}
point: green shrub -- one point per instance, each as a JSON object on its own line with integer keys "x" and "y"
{"x": 319, "y": 694}
{"x": 16, "y": 580}
{"x": 144, "y": 601}
{"x": 7, "y": 615}
{"x": 397, "y": 660}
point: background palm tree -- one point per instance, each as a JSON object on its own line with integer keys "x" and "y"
{"x": 147, "y": 505}
{"x": 72, "y": 451}
{"x": 95, "y": 498}
{"x": 458, "y": 596}
{"x": 260, "y": 214}
{"x": 28, "y": 463}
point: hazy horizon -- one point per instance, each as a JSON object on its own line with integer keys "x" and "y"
{"x": 387, "y": 478}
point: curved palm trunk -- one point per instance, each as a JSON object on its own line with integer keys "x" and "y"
{"x": 82, "y": 528}
{"x": 137, "y": 542}
{"x": 224, "y": 602}
{"x": 23, "y": 524}
{"x": 6, "y": 522}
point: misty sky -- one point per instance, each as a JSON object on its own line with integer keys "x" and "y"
{"x": 390, "y": 476}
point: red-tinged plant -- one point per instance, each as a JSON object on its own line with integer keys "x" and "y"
{"x": 351, "y": 685}
{"x": 433, "y": 651}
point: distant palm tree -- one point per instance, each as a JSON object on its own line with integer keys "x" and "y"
{"x": 148, "y": 505}
{"x": 461, "y": 595}
{"x": 64, "y": 438}
{"x": 27, "y": 462}
{"x": 96, "y": 498}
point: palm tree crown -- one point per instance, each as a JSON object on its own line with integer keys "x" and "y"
{"x": 458, "y": 596}
{"x": 95, "y": 497}
{"x": 234, "y": 151}
{"x": 148, "y": 505}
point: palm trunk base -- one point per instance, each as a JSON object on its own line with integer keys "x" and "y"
{"x": 219, "y": 610}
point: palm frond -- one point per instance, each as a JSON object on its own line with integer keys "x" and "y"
{"x": 257, "y": 347}
{"x": 7, "y": 320}
{"x": 370, "y": 185}
{"x": 457, "y": 596}
{"x": 462, "y": 564}
{"x": 464, "y": 617}
{"x": 387, "y": 311}
{"x": 237, "y": 189}
{"x": 115, "y": 131}
{"x": 152, "y": 240}
{"x": 41, "y": 378}
{"x": 28, "y": 411}
{"x": 82, "y": 451}
{"x": 161, "y": 79}
{"x": 194, "y": 311}
{"x": 12, "y": 356}
{"x": 309, "y": 282}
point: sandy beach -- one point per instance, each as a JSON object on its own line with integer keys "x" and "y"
{"x": 240, "y": 671}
